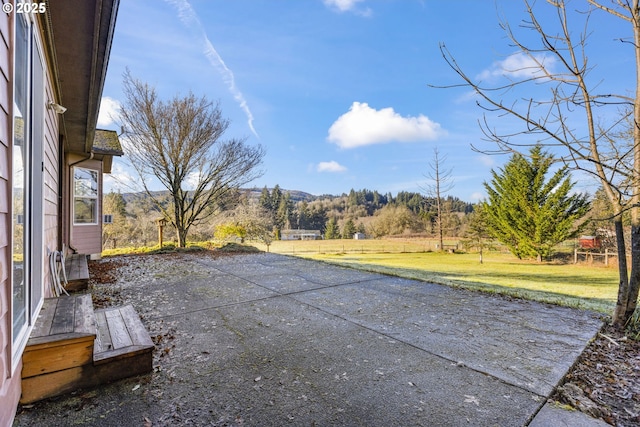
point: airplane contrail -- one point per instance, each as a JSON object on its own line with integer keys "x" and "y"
{"x": 190, "y": 20}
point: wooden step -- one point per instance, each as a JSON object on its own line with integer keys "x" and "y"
{"x": 77, "y": 268}
{"x": 74, "y": 347}
{"x": 59, "y": 348}
{"x": 122, "y": 345}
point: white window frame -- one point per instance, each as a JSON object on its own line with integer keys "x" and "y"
{"x": 33, "y": 193}
{"x": 95, "y": 198}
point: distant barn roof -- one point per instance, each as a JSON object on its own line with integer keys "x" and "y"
{"x": 107, "y": 142}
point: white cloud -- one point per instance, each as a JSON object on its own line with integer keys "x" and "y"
{"x": 363, "y": 125}
{"x": 519, "y": 65}
{"x": 486, "y": 160}
{"x": 477, "y": 196}
{"x": 347, "y": 6}
{"x": 120, "y": 179}
{"x": 190, "y": 19}
{"x": 191, "y": 181}
{"x": 342, "y": 5}
{"x": 331, "y": 166}
{"x": 108, "y": 111}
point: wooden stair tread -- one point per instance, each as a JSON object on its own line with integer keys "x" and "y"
{"x": 120, "y": 333}
{"x": 64, "y": 318}
{"x": 77, "y": 268}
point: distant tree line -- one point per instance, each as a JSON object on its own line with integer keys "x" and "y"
{"x": 335, "y": 216}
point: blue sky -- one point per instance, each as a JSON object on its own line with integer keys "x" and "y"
{"x": 337, "y": 91}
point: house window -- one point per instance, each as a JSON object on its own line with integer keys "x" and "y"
{"x": 21, "y": 176}
{"x": 85, "y": 196}
{"x": 27, "y": 182}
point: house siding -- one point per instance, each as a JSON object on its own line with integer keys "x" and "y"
{"x": 51, "y": 185}
{"x": 9, "y": 381}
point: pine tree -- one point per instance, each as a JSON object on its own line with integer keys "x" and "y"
{"x": 276, "y": 197}
{"x": 348, "y": 229}
{"x": 332, "y": 230}
{"x": 477, "y": 232}
{"x": 284, "y": 212}
{"x": 528, "y": 213}
{"x": 303, "y": 215}
{"x": 265, "y": 199}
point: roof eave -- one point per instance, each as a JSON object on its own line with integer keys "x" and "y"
{"x": 81, "y": 34}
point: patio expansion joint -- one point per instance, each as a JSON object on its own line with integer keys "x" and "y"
{"x": 292, "y": 295}
{"x": 458, "y": 363}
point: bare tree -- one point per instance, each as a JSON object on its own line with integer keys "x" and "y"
{"x": 178, "y": 142}
{"x": 559, "y": 62}
{"x": 440, "y": 183}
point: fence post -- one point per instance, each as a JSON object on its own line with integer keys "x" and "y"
{"x": 575, "y": 255}
{"x": 606, "y": 257}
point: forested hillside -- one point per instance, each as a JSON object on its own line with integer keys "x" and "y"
{"x": 275, "y": 209}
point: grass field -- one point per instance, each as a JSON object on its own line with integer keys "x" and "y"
{"x": 591, "y": 287}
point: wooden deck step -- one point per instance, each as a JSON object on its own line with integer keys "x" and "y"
{"x": 60, "y": 347}
{"x": 122, "y": 344}
{"x": 74, "y": 347}
{"x": 77, "y": 269}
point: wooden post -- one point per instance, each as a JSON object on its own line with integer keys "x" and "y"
{"x": 161, "y": 223}
{"x": 575, "y": 255}
{"x": 606, "y": 257}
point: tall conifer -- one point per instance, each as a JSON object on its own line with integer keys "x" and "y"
{"x": 528, "y": 213}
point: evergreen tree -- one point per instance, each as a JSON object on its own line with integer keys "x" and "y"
{"x": 317, "y": 218}
{"x": 348, "y": 229}
{"x": 276, "y": 196}
{"x": 528, "y": 213}
{"x": 265, "y": 199}
{"x": 303, "y": 216}
{"x": 477, "y": 233}
{"x": 284, "y": 212}
{"x": 332, "y": 231}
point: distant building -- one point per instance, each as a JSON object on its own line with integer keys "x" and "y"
{"x": 590, "y": 242}
{"x": 359, "y": 236}
{"x": 300, "y": 235}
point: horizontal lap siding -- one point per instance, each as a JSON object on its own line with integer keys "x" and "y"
{"x": 9, "y": 385}
{"x": 51, "y": 182}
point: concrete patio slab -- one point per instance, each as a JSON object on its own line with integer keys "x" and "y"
{"x": 269, "y": 340}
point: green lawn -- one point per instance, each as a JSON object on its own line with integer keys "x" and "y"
{"x": 583, "y": 286}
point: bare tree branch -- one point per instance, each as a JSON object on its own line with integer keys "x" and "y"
{"x": 573, "y": 116}
{"x": 179, "y": 143}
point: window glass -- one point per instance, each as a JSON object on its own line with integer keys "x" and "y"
{"x": 20, "y": 156}
{"x": 85, "y": 192}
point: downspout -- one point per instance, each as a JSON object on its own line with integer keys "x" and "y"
{"x": 60, "y": 188}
